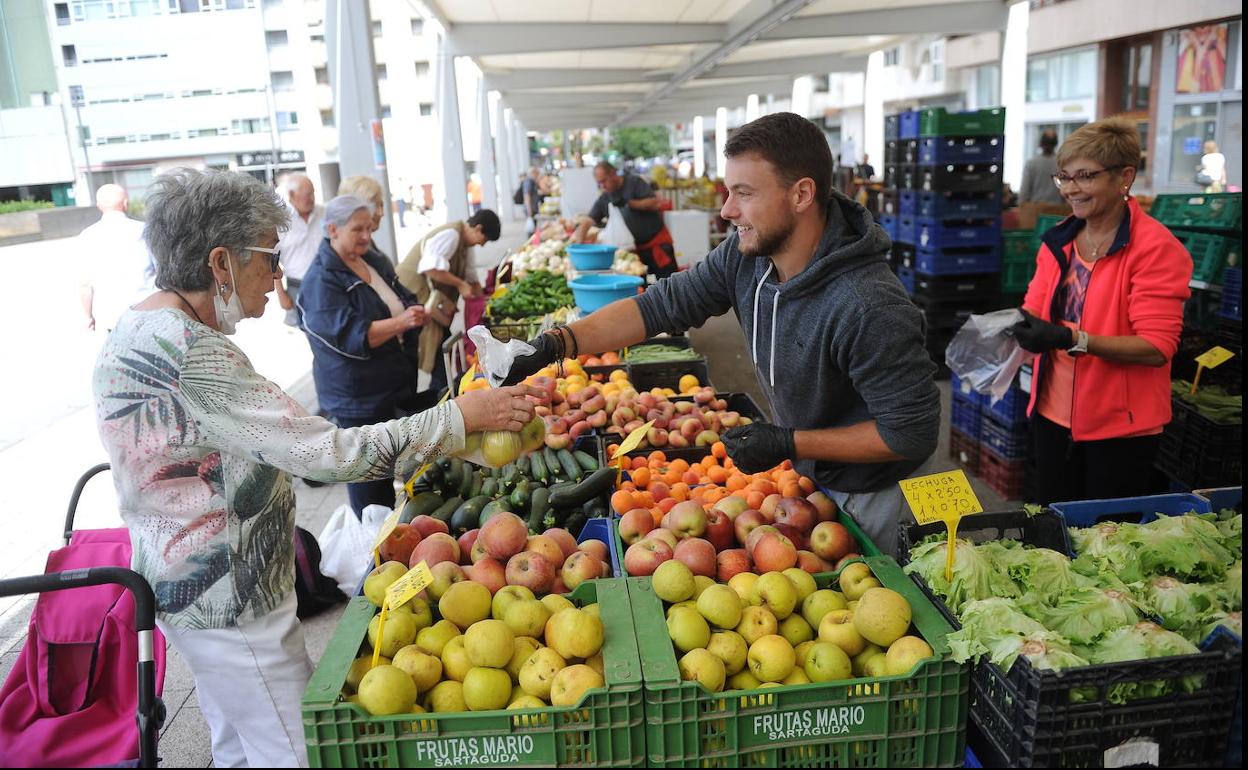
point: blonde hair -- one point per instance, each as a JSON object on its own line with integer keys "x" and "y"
{"x": 363, "y": 187}
{"x": 1110, "y": 142}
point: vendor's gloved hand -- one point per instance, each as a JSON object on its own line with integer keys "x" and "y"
{"x": 547, "y": 350}
{"x": 759, "y": 446}
{"x": 1037, "y": 336}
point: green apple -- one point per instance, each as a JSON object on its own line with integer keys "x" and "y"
{"x": 455, "y": 660}
{"x": 538, "y": 672}
{"x": 796, "y": 630}
{"x": 673, "y": 581}
{"x": 424, "y": 669}
{"x": 400, "y": 631}
{"x": 572, "y": 683}
{"x": 486, "y": 689}
{"x": 820, "y": 603}
{"x": 838, "y": 627}
{"x": 905, "y": 653}
{"x": 827, "y": 662}
{"x": 882, "y": 617}
{"x": 446, "y": 697}
{"x": 526, "y": 617}
{"x": 489, "y": 643}
{"x": 743, "y": 584}
{"x": 380, "y": 578}
{"x": 775, "y": 592}
{"x": 802, "y": 580}
{"x": 465, "y": 603}
{"x": 743, "y": 680}
{"x": 432, "y": 639}
{"x": 855, "y": 579}
{"x": 704, "y": 667}
{"x": 729, "y": 647}
{"x": 387, "y": 690}
{"x": 859, "y": 661}
{"x": 876, "y": 666}
{"x": 771, "y": 658}
{"x": 690, "y": 603}
{"x": 505, "y": 596}
{"x": 801, "y": 652}
{"x": 575, "y": 633}
{"x": 756, "y": 622}
{"x": 700, "y": 584}
{"x": 522, "y": 648}
{"x": 688, "y": 629}
{"x": 360, "y": 667}
{"x": 557, "y": 602}
{"x": 420, "y": 610}
{"x": 721, "y": 606}
{"x": 796, "y": 676}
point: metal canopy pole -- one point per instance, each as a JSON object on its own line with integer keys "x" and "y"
{"x": 485, "y": 162}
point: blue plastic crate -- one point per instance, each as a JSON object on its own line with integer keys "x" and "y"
{"x": 1223, "y": 497}
{"x": 907, "y": 229}
{"x": 1012, "y": 408}
{"x": 957, "y": 260}
{"x": 889, "y": 223}
{"x": 961, "y": 149}
{"x": 908, "y": 203}
{"x": 1137, "y": 510}
{"x": 970, "y": 760}
{"x": 954, "y": 205}
{"x": 957, "y": 232}
{"x": 1232, "y": 294}
{"x": 1008, "y": 441}
{"x": 908, "y": 127}
{"x": 600, "y": 529}
{"x": 906, "y": 276}
{"x": 966, "y": 416}
{"x": 892, "y": 127}
{"x": 962, "y": 389}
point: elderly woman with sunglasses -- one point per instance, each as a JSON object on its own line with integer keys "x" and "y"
{"x": 1103, "y": 316}
{"x": 203, "y": 449}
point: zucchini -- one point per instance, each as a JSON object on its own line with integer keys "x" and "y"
{"x": 465, "y": 517}
{"x": 422, "y": 504}
{"x": 435, "y": 473}
{"x": 552, "y": 462}
{"x": 510, "y": 474}
{"x": 465, "y": 482}
{"x": 522, "y": 465}
{"x": 495, "y": 507}
{"x": 539, "y": 468}
{"x": 596, "y": 508}
{"x": 587, "y": 462}
{"x": 570, "y": 467}
{"x": 455, "y": 474}
{"x": 539, "y": 506}
{"x": 520, "y": 496}
{"x": 490, "y": 487}
{"x": 597, "y": 483}
{"x": 575, "y": 523}
{"x": 443, "y": 513}
{"x": 478, "y": 483}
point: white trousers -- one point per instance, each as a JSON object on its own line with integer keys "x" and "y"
{"x": 249, "y": 680}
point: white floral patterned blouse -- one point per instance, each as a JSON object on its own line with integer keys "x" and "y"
{"x": 202, "y": 451}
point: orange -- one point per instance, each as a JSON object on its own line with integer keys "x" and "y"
{"x": 790, "y": 489}
{"x": 644, "y": 499}
{"x": 622, "y": 501}
{"x": 696, "y": 495}
{"x": 671, "y": 477}
{"x": 641, "y": 477}
{"x": 735, "y": 482}
{"x": 612, "y": 449}
{"x": 719, "y": 450}
{"x": 680, "y": 491}
{"x": 691, "y": 477}
{"x": 755, "y": 499}
{"x": 709, "y": 460}
{"x": 716, "y": 474}
{"x": 680, "y": 465}
{"x": 658, "y": 457}
{"x": 657, "y": 515}
{"x": 807, "y": 484}
{"x": 667, "y": 504}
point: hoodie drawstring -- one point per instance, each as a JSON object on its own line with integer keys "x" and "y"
{"x": 754, "y": 334}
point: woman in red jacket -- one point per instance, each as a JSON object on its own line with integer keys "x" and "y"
{"x": 1103, "y": 316}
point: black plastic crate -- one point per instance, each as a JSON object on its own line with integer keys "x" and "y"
{"x": 1010, "y": 442}
{"x": 983, "y": 177}
{"x": 1044, "y": 530}
{"x": 944, "y": 204}
{"x": 983, "y": 287}
{"x": 963, "y": 450}
{"x": 961, "y": 149}
{"x": 1198, "y": 452}
{"x": 667, "y": 374}
{"x": 901, "y": 255}
{"x": 890, "y": 204}
{"x": 892, "y": 127}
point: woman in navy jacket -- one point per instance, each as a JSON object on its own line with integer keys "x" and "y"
{"x": 362, "y": 324}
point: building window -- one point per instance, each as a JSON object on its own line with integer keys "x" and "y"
{"x": 250, "y": 125}
{"x": 936, "y": 52}
{"x": 426, "y": 109}
{"x": 317, "y": 38}
{"x": 76, "y": 98}
{"x": 1137, "y": 77}
{"x": 987, "y": 85}
{"x": 274, "y": 38}
{"x": 385, "y": 110}
{"x": 418, "y": 27}
{"x": 287, "y": 121}
{"x": 327, "y": 117}
{"x": 892, "y": 56}
{"x": 1065, "y": 75}
{"x": 376, "y": 28}
{"x": 422, "y": 69}
{"x": 1194, "y": 124}
{"x": 322, "y": 75}
{"x": 62, "y": 14}
{"x": 381, "y": 72}
{"x": 69, "y": 55}
{"x": 283, "y": 81}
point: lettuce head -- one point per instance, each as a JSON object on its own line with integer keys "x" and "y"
{"x": 1084, "y": 615}
{"x": 1138, "y": 642}
{"x": 975, "y": 574}
{"x": 997, "y": 629}
{"x": 1181, "y": 606}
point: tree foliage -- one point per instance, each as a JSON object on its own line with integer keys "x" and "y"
{"x": 633, "y": 142}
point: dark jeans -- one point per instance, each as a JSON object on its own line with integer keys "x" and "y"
{"x": 364, "y": 493}
{"x": 1091, "y": 470}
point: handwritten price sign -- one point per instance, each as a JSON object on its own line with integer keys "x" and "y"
{"x": 940, "y": 497}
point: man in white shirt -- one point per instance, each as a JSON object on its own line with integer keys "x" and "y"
{"x": 118, "y": 270}
{"x": 299, "y": 243}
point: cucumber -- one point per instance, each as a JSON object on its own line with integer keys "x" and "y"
{"x": 465, "y": 482}
{"x": 596, "y": 508}
{"x": 510, "y": 474}
{"x": 539, "y": 468}
{"x": 495, "y": 507}
{"x": 539, "y": 506}
{"x": 597, "y": 483}
{"x": 478, "y": 483}
{"x": 552, "y": 462}
{"x": 455, "y": 474}
{"x": 587, "y": 462}
{"x": 520, "y": 497}
{"x": 443, "y": 513}
{"x": 465, "y": 517}
{"x": 522, "y": 465}
{"x": 435, "y": 473}
{"x": 490, "y": 487}
{"x": 422, "y": 504}
{"x": 570, "y": 467}
{"x": 575, "y": 523}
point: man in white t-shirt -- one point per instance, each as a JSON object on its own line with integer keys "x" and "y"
{"x": 118, "y": 270}
{"x": 298, "y": 245}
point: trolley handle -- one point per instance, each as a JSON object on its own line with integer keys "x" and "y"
{"x": 451, "y": 342}
{"x": 144, "y": 599}
{"x": 73, "y": 499}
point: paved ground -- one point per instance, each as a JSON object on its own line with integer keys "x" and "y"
{"x": 47, "y": 438}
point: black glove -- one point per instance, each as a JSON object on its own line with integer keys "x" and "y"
{"x": 1036, "y": 336}
{"x": 547, "y": 348}
{"x": 759, "y": 446}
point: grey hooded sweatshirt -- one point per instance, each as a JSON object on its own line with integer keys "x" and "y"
{"x": 838, "y": 344}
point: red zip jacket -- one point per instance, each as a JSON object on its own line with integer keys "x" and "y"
{"x": 1138, "y": 288}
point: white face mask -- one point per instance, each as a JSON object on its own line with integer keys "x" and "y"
{"x": 231, "y": 312}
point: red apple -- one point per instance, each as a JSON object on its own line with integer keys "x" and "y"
{"x": 504, "y": 536}
{"x": 831, "y": 540}
{"x": 756, "y": 534}
{"x": 731, "y": 562}
{"x": 565, "y": 539}
{"x": 399, "y": 544}
{"x": 478, "y": 552}
{"x": 773, "y": 553}
{"x": 812, "y": 563}
{"x": 467, "y": 541}
{"x": 530, "y": 570}
{"x": 445, "y": 574}
{"x": 797, "y": 513}
{"x": 557, "y": 587}
{"x": 579, "y": 567}
{"x": 825, "y": 507}
{"x": 635, "y": 524}
{"x": 696, "y": 554}
{"x": 663, "y": 534}
{"x": 548, "y": 548}
{"x": 795, "y": 535}
{"x": 644, "y": 557}
{"x": 746, "y": 523}
{"x": 488, "y": 573}
{"x": 597, "y": 549}
{"x": 732, "y": 506}
{"x": 426, "y": 525}
{"x": 770, "y": 507}
{"x": 719, "y": 530}
{"x": 846, "y": 559}
{"x": 434, "y": 549}
{"x": 686, "y": 519}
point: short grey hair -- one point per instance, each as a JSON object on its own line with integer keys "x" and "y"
{"x": 191, "y": 212}
{"x": 338, "y": 211}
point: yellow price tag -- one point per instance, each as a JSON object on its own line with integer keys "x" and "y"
{"x": 468, "y": 377}
{"x": 1214, "y": 357}
{"x": 631, "y": 442}
{"x": 416, "y": 579}
{"x": 943, "y": 497}
{"x": 381, "y": 627}
{"x": 387, "y": 527}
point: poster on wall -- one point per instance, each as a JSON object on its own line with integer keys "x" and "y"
{"x": 1202, "y": 59}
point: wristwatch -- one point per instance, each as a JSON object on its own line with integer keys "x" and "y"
{"x": 1081, "y": 345}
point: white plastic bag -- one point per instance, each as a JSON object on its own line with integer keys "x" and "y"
{"x": 616, "y": 232}
{"x": 347, "y": 544}
{"x": 495, "y": 357}
{"x": 984, "y": 355}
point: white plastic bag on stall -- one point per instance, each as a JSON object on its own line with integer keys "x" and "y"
{"x": 347, "y": 544}
{"x": 494, "y": 358}
{"x": 985, "y": 355}
{"x": 616, "y": 232}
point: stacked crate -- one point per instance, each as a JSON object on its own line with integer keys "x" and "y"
{"x": 943, "y": 175}
{"x": 990, "y": 440}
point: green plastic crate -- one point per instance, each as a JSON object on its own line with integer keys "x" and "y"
{"x": 1016, "y": 276}
{"x": 915, "y": 720}
{"x": 605, "y": 730}
{"x": 1211, "y": 254}
{"x": 1018, "y": 246}
{"x": 1045, "y": 222}
{"x": 1204, "y": 211}
{"x": 937, "y": 121}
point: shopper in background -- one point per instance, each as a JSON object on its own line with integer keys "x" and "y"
{"x": 530, "y": 191}
{"x": 1101, "y": 383}
{"x": 836, "y": 342}
{"x": 475, "y": 193}
{"x": 1038, "y": 174}
{"x": 631, "y": 197}
{"x": 368, "y": 190}
{"x": 866, "y": 172}
{"x": 202, "y": 451}
{"x": 116, "y": 268}
{"x": 438, "y": 271}
{"x": 362, "y": 326}
{"x": 1211, "y": 174}
{"x": 301, "y": 240}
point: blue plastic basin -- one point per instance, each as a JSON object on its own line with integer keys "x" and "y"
{"x": 591, "y": 256}
{"x": 596, "y": 291}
